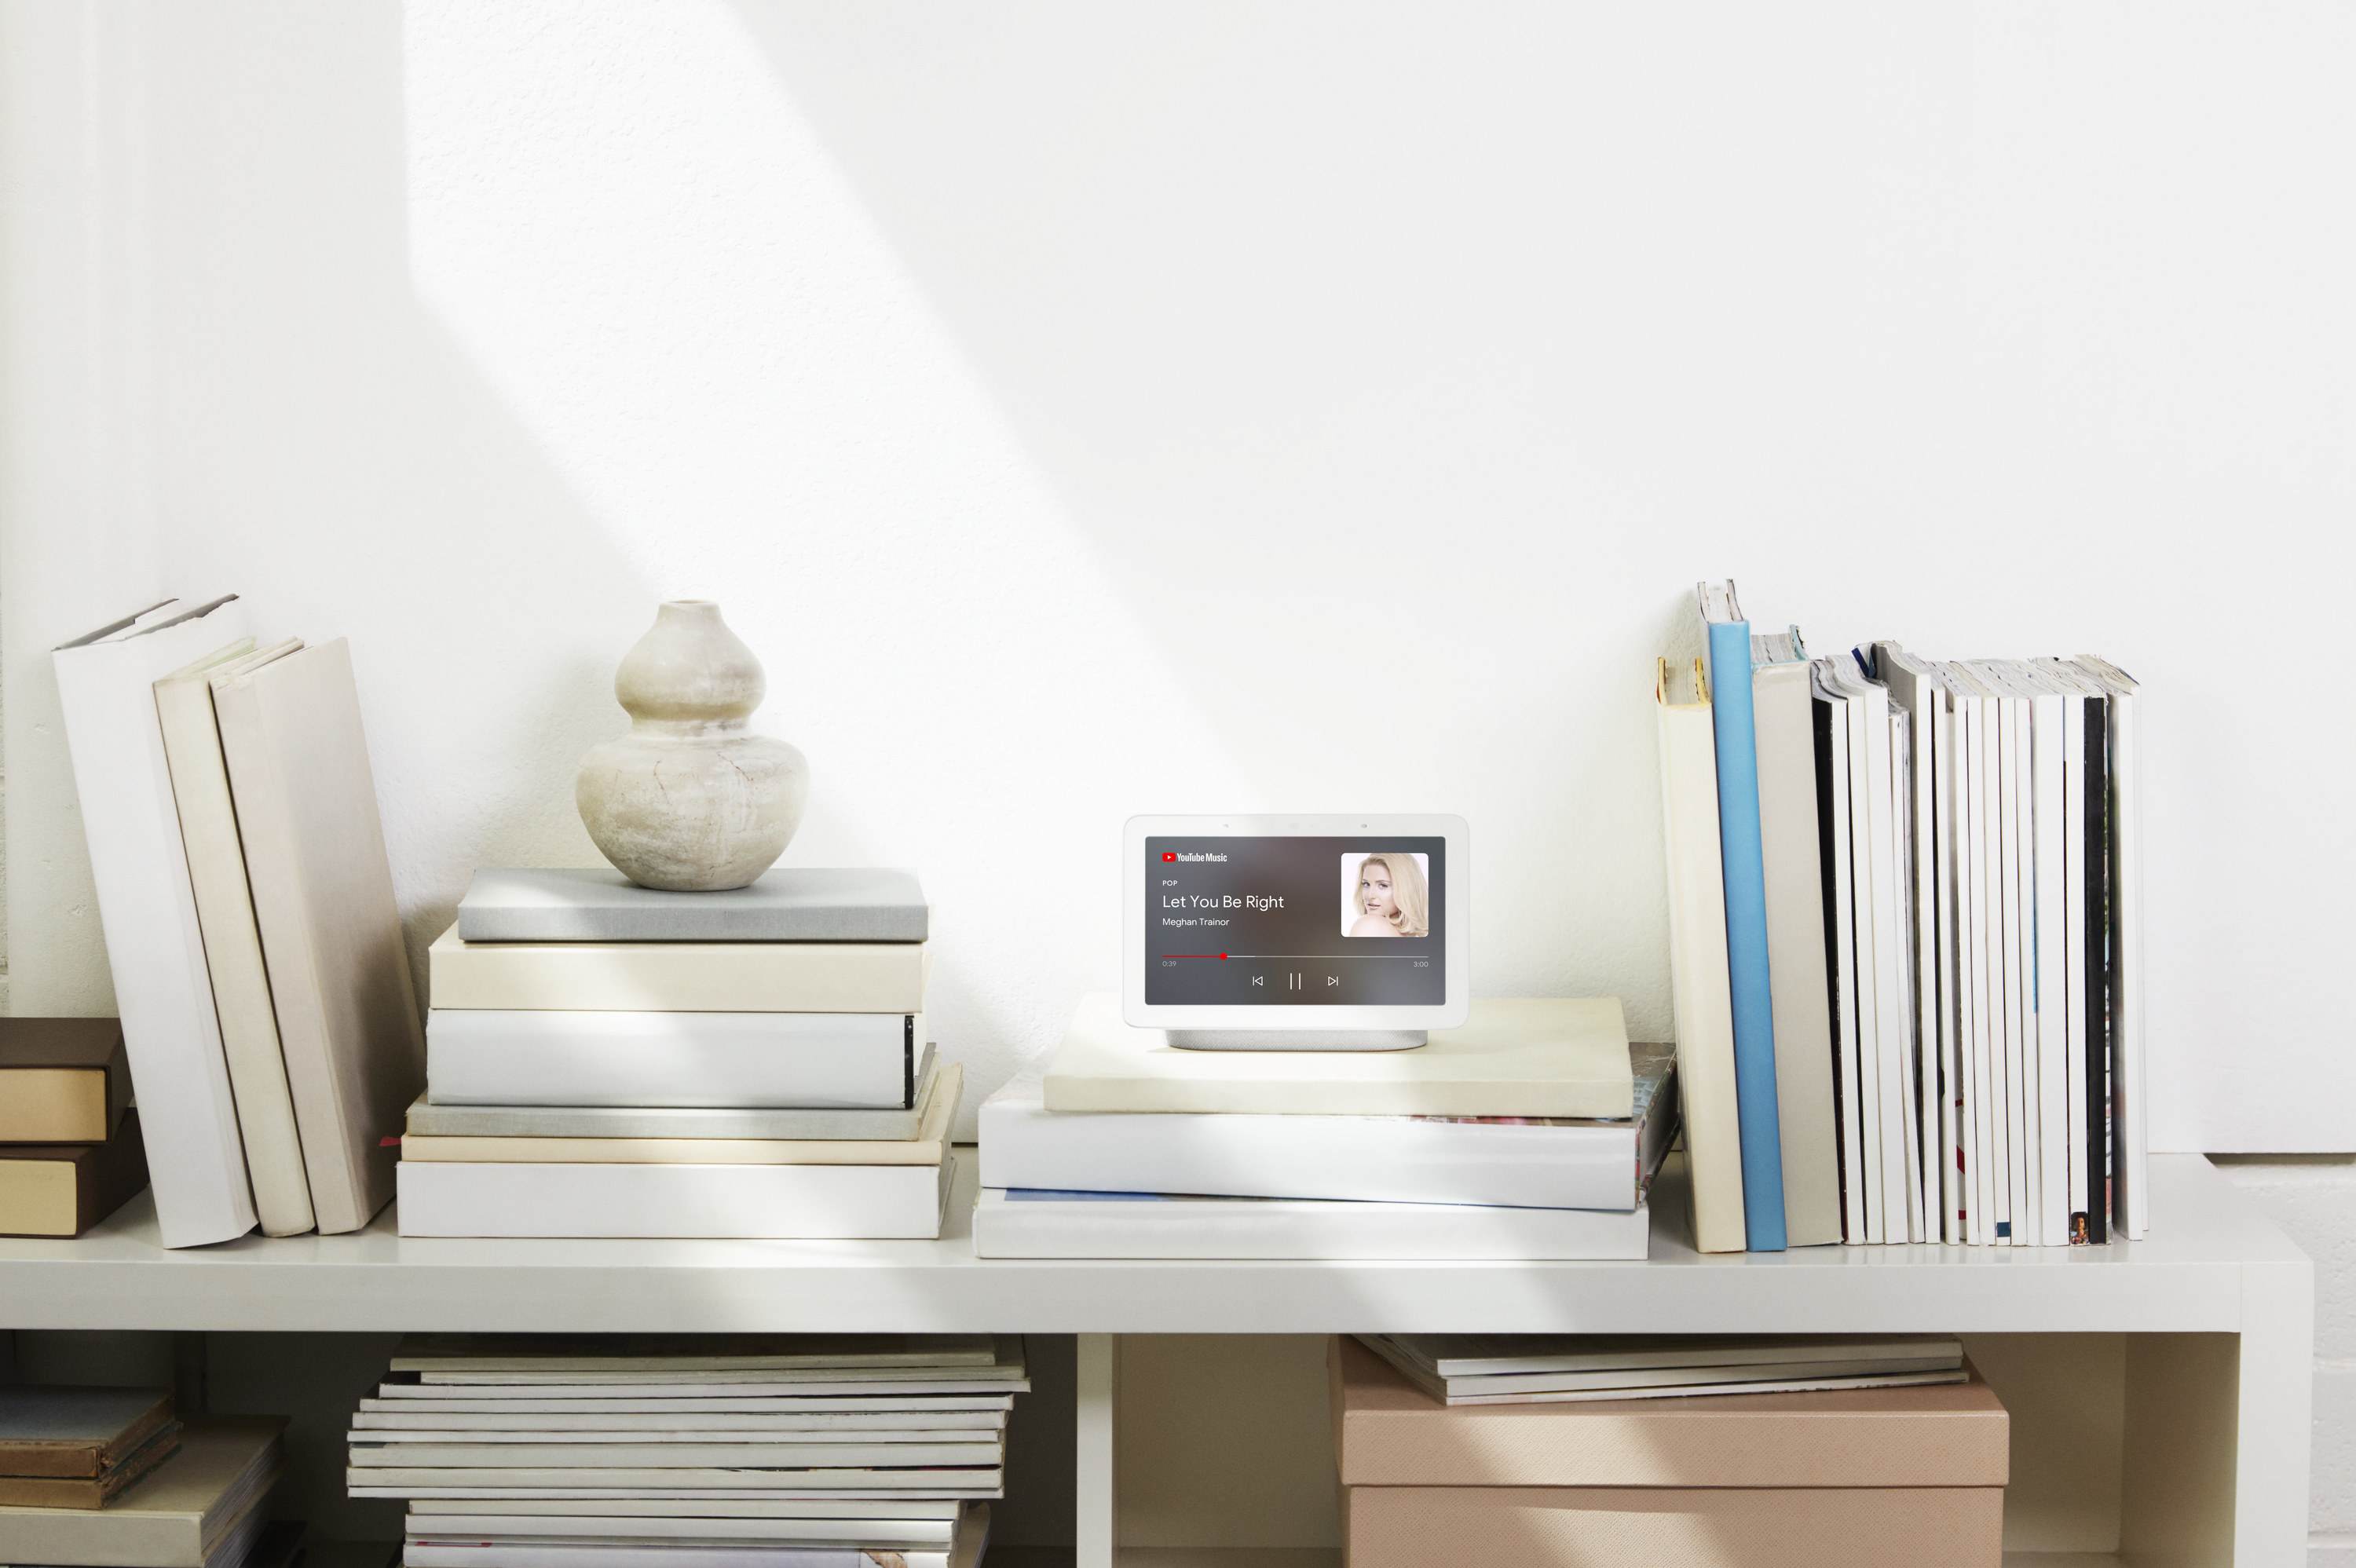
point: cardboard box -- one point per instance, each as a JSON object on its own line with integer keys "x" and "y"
{"x": 1860, "y": 1475}
{"x": 1588, "y": 1527}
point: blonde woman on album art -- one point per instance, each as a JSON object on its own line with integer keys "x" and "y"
{"x": 1391, "y": 898}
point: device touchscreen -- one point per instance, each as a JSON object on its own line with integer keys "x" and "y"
{"x": 1252, "y": 921}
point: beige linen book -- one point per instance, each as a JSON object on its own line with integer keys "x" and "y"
{"x": 307, "y": 812}
{"x": 930, "y": 1147}
{"x": 681, "y": 977}
{"x": 1702, "y": 993}
{"x": 1539, "y": 1056}
{"x": 257, "y": 1069}
{"x": 178, "y": 1518}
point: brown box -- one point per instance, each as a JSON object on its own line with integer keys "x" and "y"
{"x": 1852, "y": 1476}
{"x": 1727, "y": 1527}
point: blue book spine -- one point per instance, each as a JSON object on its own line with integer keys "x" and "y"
{"x": 1746, "y": 934}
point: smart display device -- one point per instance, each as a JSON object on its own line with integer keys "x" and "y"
{"x": 1296, "y": 932}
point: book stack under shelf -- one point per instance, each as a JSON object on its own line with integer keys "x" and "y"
{"x": 670, "y": 1452}
{"x": 1530, "y": 1133}
{"x": 609, "y": 1061}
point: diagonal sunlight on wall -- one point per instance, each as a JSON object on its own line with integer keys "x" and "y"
{"x": 616, "y": 214}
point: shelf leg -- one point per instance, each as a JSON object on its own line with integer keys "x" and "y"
{"x": 1093, "y": 1526}
{"x": 2274, "y": 1427}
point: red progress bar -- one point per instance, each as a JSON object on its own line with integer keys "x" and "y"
{"x": 1193, "y": 955}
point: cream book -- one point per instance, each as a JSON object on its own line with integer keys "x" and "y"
{"x": 106, "y": 692}
{"x": 331, "y": 942}
{"x": 248, "y": 1026}
{"x": 1702, "y": 993}
{"x": 1513, "y": 1057}
{"x": 681, "y": 977}
{"x": 927, "y": 1147}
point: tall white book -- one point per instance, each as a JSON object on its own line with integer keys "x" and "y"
{"x": 314, "y": 857}
{"x": 248, "y": 1026}
{"x": 1784, "y": 719}
{"x": 1702, "y": 993}
{"x": 196, "y": 1156}
{"x": 1832, "y": 718}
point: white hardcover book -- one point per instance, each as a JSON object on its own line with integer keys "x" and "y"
{"x": 2017, "y": 800}
{"x": 894, "y": 1535}
{"x": 846, "y": 1061}
{"x": 1784, "y": 715}
{"x": 730, "y": 1498}
{"x": 1402, "y": 1159}
{"x": 778, "y": 1202}
{"x": 916, "y": 1513}
{"x": 887, "y": 1442}
{"x": 667, "y": 1455}
{"x": 1832, "y": 741}
{"x": 1918, "y": 1219}
{"x": 139, "y": 864}
{"x": 2049, "y": 927}
{"x": 446, "y": 1540}
{"x": 331, "y": 941}
{"x": 937, "y": 1093}
{"x": 1027, "y": 1224}
{"x": 409, "y": 1419}
{"x": 1866, "y": 1050}
{"x": 1514, "y": 1056}
{"x": 1702, "y": 993}
{"x": 1882, "y": 903}
{"x": 1971, "y": 1022}
{"x": 442, "y": 1403}
{"x": 249, "y": 1024}
{"x": 1915, "y": 686}
{"x": 1989, "y": 949}
{"x": 2074, "y": 689}
{"x": 681, "y": 977}
{"x": 2130, "y": 1160}
{"x": 832, "y": 1482}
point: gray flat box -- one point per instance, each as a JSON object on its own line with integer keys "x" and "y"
{"x": 613, "y": 1121}
{"x": 796, "y": 904}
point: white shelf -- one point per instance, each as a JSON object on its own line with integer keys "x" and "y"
{"x": 2219, "y": 1308}
{"x": 2213, "y": 1256}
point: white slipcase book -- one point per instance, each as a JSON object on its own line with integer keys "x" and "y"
{"x": 498, "y": 1540}
{"x": 714, "y": 1060}
{"x": 249, "y": 1023}
{"x": 681, "y": 977}
{"x": 773, "y": 1202}
{"x": 1402, "y": 1159}
{"x": 1033, "y": 1224}
{"x": 331, "y": 940}
{"x": 138, "y": 861}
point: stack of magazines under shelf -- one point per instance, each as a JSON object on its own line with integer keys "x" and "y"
{"x": 1907, "y": 928}
{"x": 775, "y": 1451}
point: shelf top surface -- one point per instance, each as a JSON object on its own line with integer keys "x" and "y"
{"x": 2209, "y": 1243}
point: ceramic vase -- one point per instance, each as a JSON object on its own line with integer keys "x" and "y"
{"x": 690, "y": 800}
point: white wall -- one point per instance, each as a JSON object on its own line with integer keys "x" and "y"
{"x": 1044, "y": 389}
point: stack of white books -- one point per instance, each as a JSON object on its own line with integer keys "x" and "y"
{"x": 1532, "y": 1132}
{"x": 606, "y": 1060}
{"x": 771, "y": 1451}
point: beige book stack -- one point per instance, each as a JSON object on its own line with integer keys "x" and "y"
{"x": 605, "y": 1060}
